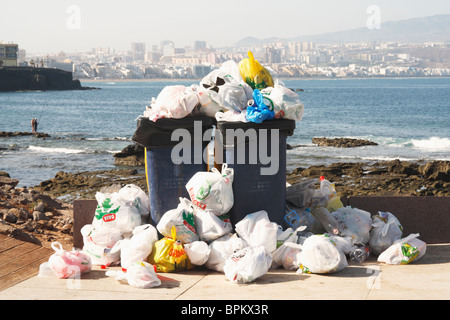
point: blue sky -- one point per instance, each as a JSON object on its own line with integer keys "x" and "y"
{"x": 49, "y": 26}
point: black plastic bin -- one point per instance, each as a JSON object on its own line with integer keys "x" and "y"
{"x": 253, "y": 188}
{"x": 167, "y": 179}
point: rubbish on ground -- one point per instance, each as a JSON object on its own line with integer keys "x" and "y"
{"x": 320, "y": 255}
{"x": 138, "y": 247}
{"x": 136, "y": 197}
{"x": 359, "y": 254}
{"x": 355, "y": 223}
{"x": 139, "y": 274}
{"x": 287, "y": 250}
{"x": 98, "y": 244}
{"x": 221, "y": 249}
{"x": 197, "y": 252}
{"x": 296, "y": 217}
{"x": 210, "y": 226}
{"x": 257, "y": 230}
{"x": 45, "y": 271}
{"x": 182, "y": 218}
{"x": 68, "y": 264}
{"x": 404, "y": 251}
{"x": 300, "y": 194}
{"x": 212, "y": 191}
{"x": 168, "y": 255}
{"x": 385, "y": 230}
{"x": 343, "y": 243}
{"x": 326, "y": 219}
{"x": 115, "y": 213}
{"x": 247, "y": 264}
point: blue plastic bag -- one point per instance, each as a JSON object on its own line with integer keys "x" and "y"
{"x": 261, "y": 110}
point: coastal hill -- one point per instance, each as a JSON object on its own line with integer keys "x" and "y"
{"x": 417, "y": 30}
{"x": 29, "y": 78}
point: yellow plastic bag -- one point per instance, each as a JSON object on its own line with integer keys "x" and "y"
{"x": 168, "y": 255}
{"x": 254, "y": 74}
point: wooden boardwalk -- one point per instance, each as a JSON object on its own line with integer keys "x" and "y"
{"x": 19, "y": 260}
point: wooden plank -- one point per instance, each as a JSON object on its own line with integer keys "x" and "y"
{"x": 18, "y": 276}
{"x": 22, "y": 261}
{"x": 9, "y": 243}
{"x": 19, "y": 260}
{"x": 13, "y": 253}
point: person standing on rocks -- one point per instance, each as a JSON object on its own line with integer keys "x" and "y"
{"x": 34, "y": 124}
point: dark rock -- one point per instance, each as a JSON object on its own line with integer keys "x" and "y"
{"x": 38, "y": 216}
{"x": 342, "y": 142}
{"x": 8, "y": 181}
{"x": 131, "y": 155}
{"x": 40, "y": 206}
{"x": 7, "y": 134}
{"x": 10, "y": 217}
{"x": 436, "y": 170}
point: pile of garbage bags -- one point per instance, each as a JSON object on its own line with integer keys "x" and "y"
{"x": 322, "y": 237}
{"x": 243, "y": 92}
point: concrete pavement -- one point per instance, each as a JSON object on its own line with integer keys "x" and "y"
{"x": 425, "y": 279}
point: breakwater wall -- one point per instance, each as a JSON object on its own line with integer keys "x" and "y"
{"x": 29, "y": 78}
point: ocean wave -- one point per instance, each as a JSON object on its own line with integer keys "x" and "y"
{"x": 108, "y": 139}
{"x": 432, "y": 144}
{"x": 427, "y": 144}
{"x": 54, "y": 150}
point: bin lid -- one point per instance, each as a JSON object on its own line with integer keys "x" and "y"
{"x": 285, "y": 126}
{"x": 158, "y": 134}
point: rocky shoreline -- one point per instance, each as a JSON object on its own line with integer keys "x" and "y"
{"x": 44, "y": 213}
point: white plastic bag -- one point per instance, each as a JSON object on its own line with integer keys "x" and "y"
{"x": 221, "y": 249}
{"x": 257, "y": 230}
{"x": 68, "y": 264}
{"x": 300, "y": 194}
{"x": 210, "y": 226}
{"x": 226, "y": 87}
{"x": 354, "y": 223}
{"x": 404, "y": 251}
{"x": 112, "y": 212}
{"x": 287, "y": 250}
{"x": 212, "y": 191}
{"x": 385, "y": 230}
{"x": 175, "y": 102}
{"x": 135, "y": 196}
{"x": 321, "y": 255}
{"x": 182, "y": 218}
{"x": 248, "y": 264}
{"x": 197, "y": 252}
{"x": 140, "y": 274}
{"x": 207, "y": 105}
{"x": 98, "y": 244}
{"x": 345, "y": 244}
{"x": 138, "y": 247}
{"x": 232, "y": 116}
{"x": 286, "y": 103}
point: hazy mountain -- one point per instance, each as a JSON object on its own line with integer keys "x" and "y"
{"x": 416, "y": 30}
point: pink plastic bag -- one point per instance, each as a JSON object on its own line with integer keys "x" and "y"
{"x": 68, "y": 264}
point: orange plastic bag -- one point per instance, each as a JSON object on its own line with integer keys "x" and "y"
{"x": 254, "y": 74}
{"x": 169, "y": 256}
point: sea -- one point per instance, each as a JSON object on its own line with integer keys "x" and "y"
{"x": 409, "y": 119}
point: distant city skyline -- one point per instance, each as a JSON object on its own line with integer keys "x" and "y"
{"x": 80, "y": 25}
